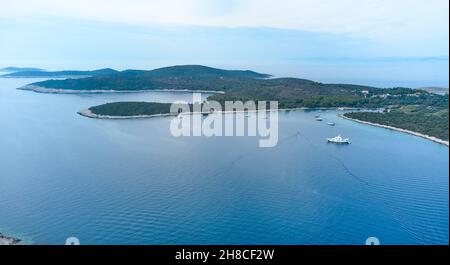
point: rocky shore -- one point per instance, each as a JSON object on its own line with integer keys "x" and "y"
{"x": 431, "y": 138}
{"x": 5, "y": 240}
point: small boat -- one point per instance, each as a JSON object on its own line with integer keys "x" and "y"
{"x": 319, "y": 119}
{"x": 331, "y": 123}
{"x": 339, "y": 140}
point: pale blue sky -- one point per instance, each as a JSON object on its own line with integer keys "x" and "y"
{"x": 380, "y": 42}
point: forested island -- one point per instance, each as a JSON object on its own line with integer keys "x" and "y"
{"x": 412, "y": 109}
{"x": 127, "y": 109}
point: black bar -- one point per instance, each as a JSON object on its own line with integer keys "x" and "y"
{"x": 281, "y": 254}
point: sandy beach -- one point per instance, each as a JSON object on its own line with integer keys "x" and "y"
{"x": 431, "y": 138}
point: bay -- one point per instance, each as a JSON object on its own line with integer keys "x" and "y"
{"x": 132, "y": 182}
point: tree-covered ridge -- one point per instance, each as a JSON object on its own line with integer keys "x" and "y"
{"x": 197, "y": 72}
{"x": 190, "y": 77}
{"x": 248, "y": 85}
{"x": 429, "y": 120}
{"x": 295, "y": 93}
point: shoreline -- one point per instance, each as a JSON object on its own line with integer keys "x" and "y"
{"x": 89, "y": 114}
{"x": 431, "y": 138}
{"x": 39, "y": 89}
{"x": 6, "y": 240}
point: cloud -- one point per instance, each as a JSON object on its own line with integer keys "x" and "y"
{"x": 370, "y": 17}
{"x": 357, "y": 28}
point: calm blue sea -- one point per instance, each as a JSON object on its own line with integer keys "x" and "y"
{"x": 131, "y": 182}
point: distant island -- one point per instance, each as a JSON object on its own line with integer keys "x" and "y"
{"x": 406, "y": 108}
{"x": 20, "y": 69}
{"x": 198, "y": 78}
{"x": 57, "y": 74}
{"x": 436, "y": 90}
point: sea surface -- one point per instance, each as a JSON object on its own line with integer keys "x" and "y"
{"x": 132, "y": 182}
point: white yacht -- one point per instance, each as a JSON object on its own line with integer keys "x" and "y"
{"x": 339, "y": 140}
{"x": 331, "y": 123}
{"x": 319, "y": 119}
